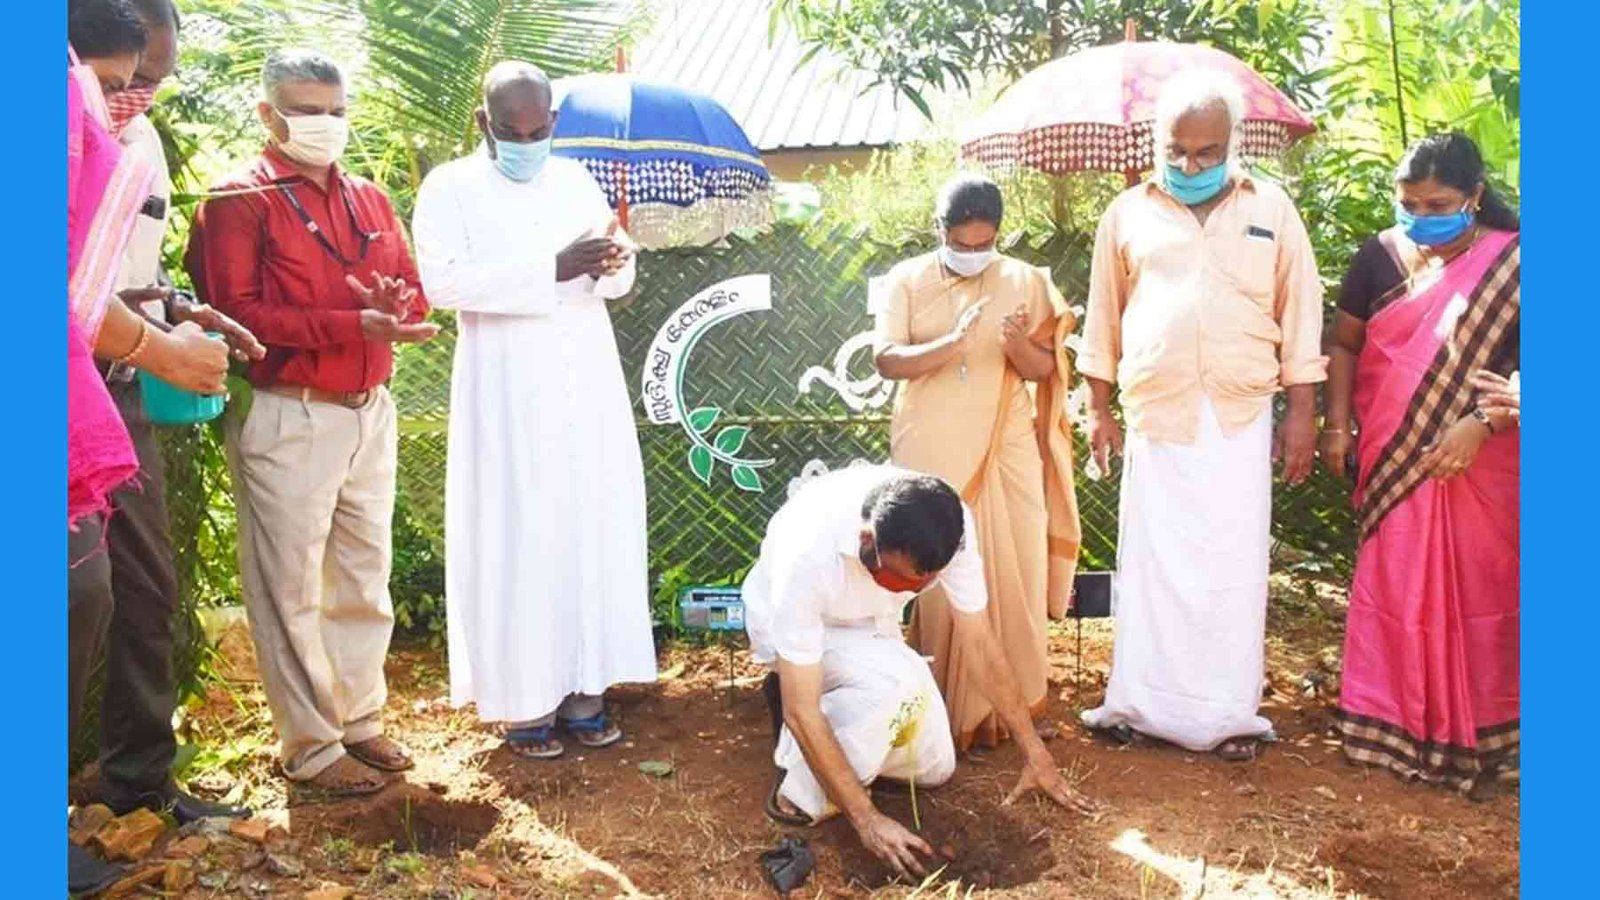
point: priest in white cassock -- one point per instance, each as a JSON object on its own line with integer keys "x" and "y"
{"x": 546, "y": 585}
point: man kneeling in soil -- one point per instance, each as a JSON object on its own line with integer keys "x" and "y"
{"x": 839, "y": 563}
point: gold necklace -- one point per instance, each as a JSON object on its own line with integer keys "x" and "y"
{"x": 1431, "y": 266}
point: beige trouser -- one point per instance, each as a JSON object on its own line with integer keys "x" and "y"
{"x": 315, "y": 488}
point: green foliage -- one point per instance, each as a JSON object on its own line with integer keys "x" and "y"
{"x": 918, "y": 47}
{"x": 417, "y": 579}
{"x": 427, "y": 58}
{"x": 664, "y": 610}
{"x": 424, "y": 64}
{"x": 1407, "y": 68}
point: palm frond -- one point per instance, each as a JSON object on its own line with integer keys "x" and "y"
{"x": 425, "y": 59}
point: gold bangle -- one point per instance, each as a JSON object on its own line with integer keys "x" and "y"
{"x": 131, "y": 358}
{"x": 1337, "y": 431}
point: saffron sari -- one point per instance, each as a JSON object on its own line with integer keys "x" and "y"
{"x": 1430, "y": 680}
{"x": 1006, "y": 446}
{"x": 105, "y": 191}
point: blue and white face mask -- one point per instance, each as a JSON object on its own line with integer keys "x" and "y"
{"x": 1433, "y": 231}
{"x": 521, "y": 162}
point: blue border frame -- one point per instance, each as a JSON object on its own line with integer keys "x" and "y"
{"x": 1559, "y": 624}
{"x": 1558, "y": 630}
{"x": 33, "y": 666}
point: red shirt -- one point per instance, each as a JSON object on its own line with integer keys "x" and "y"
{"x": 253, "y": 257}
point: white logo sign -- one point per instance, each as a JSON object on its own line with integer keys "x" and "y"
{"x": 661, "y": 387}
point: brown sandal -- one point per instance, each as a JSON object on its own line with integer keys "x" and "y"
{"x": 382, "y": 753}
{"x": 348, "y": 777}
{"x": 776, "y": 812}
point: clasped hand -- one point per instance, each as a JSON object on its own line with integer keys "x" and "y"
{"x": 596, "y": 257}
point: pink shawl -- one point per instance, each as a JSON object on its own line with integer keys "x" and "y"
{"x": 105, "y": 191}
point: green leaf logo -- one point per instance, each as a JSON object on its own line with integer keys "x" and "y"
{"x": 747, "y": 479}
{"x": 700, "y": 462}
{"x": 730, "y": 439}
{"x": 703, "y": 418}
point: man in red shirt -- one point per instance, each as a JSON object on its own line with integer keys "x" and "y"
{"x": 314, "y": 261}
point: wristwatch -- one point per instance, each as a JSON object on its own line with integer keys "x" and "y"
{"x": 1481, "y": 416}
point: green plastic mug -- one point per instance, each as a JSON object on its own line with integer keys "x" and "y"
{"x": 168, "y": 405}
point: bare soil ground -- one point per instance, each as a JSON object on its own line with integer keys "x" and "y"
{"x": 474, "y": 821}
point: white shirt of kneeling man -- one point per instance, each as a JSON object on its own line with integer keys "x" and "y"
{"x": 811, "y": 601}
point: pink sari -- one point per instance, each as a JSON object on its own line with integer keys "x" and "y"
{"x": 1430, "y": 679}
{"x": 105, "y": 190}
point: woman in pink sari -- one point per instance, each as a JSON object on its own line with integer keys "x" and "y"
{"x": 106, "y": 189}
{"x": 1430, "y": 686}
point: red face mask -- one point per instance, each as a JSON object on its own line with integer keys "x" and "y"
{"x": 128, "y": 104}
{"x": 894, "y": 581}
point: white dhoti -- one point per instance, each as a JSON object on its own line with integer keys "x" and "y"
{"x": 1191, "y": 595}
{"x": 866, "y": 679}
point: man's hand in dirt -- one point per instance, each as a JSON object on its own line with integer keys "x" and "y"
{"x": 891, "y": 842}
{"x": 1043, "y": 776}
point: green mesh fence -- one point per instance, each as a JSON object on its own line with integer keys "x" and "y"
{"x": 753, "y": 368}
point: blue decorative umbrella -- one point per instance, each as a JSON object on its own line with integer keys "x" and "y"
{"x": 673, "y": 163}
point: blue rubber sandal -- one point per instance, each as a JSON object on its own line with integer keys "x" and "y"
{"x": 536, "y": 742}
{"x": 594, "y": 732}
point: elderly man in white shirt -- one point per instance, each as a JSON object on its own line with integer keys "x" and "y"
{"x": 838, "y": 564}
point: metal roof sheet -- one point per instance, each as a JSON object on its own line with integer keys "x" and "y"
{"x": 721, "y": 48}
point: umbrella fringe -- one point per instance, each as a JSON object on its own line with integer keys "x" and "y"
{"x": 657, "y": 226}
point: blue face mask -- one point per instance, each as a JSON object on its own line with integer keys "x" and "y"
{"x": 1193, "y": 190}
{"x": 521, "y": 162}
{"x": 1432, "y": 231}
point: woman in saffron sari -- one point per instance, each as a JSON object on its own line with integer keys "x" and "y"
{"x": 977, "y": 339}
{"x": 1430, "y": 687}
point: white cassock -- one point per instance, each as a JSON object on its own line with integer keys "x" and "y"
{"x": 810, "y": 600}
{"x": 546, "y": 582}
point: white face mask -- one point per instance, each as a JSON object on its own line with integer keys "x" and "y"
{"x": 966, "y": 264}
{"x": 315, "y": 140}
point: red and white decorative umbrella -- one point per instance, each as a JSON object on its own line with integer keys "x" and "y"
{"x": 1094, "y": 110}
